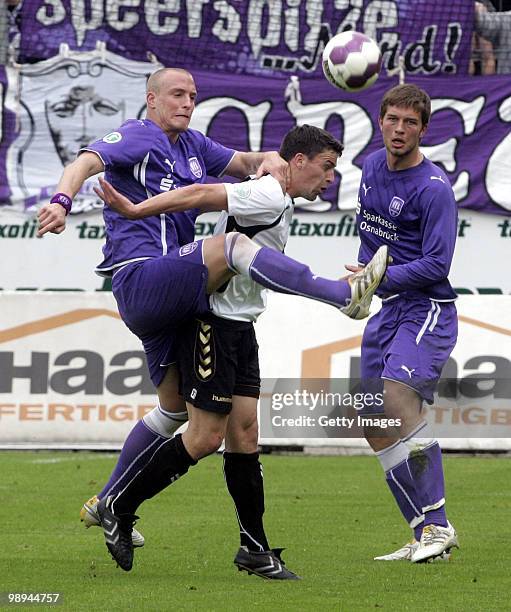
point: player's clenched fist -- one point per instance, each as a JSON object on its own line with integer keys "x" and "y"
{"x": 52, "y": 218}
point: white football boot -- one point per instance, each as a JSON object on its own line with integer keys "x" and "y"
{"x": 435, "y": 541}
{"x": 89, "y": 516}
{"x": 364, "y": 284}
{"x": 403, "y": 554}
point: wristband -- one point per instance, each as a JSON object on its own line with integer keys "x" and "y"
{"x": 65, "y": 201}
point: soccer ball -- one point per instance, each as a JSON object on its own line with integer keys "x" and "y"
{"x": 351, "y": 61}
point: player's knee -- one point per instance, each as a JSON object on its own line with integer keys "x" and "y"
{"x": 377, "y": 438}
{"x": 247, "y": 434}
{"x": 239, "y": 251}
{"x": 243, "y": 436}
{"x": 250, "y": 432}
{"x": 401, "y": 402}
{"x": 212, "y": 442}
{"x": 207, "y": 443}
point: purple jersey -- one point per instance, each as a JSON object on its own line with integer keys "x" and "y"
{"x": 140, "y": 161}
{"x": 414, "y": 212}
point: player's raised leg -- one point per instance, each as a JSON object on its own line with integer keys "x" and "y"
{"x": 276, "y": 271}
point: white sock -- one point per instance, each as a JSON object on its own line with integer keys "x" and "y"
{"x": 240, "y": 252}
{"x": 392, "y": 456}
{"x": 163, "y": 422}
{"x": 420, "y": 438}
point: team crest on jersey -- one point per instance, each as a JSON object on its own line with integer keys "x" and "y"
{"x": 112, "y": 138}
{"x": 395, "y": 206}
{"x": 242, "y": 190}
{"x": 195, "y": 167}
{"x": 188, "y": 249}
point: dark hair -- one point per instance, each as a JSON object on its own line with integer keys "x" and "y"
{"x": 407, "y": 96}
{"x": 308, "y": 140}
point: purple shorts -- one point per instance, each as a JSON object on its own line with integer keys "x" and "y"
{"x": 409, "y": 340}
{"x": 156, "y": 296}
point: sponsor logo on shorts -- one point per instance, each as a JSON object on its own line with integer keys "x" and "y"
{"x": 195, "y": 167}
{"x": 188, "y": 249}
{"x": 219, "y": 398}
{"x": 112, "y": 138}
{"x": 193, "y": 394}
{"x": 395, "y": 206}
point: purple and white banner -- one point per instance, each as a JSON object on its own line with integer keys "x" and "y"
{"x": 54, "y": 107}
{"x": 252, "y": 36}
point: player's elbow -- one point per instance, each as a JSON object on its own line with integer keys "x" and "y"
{"x": 440, "y": 269}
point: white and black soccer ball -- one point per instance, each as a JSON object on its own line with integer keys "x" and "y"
{"x": 351, "y": 61}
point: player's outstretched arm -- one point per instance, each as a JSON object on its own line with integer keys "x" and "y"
{"x": 52, "y": 216}
{"x": 269, "y": 162}
{"x": 204, "y": 197}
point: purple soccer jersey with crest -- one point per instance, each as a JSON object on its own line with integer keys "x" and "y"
{"x": 414, "y": 212}
{"x": 140, "y": 162}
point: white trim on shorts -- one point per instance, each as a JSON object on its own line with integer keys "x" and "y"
{"x": 111, "y": 270}
{"x": 431, "y": 320}
{"x": 404, "y": 385}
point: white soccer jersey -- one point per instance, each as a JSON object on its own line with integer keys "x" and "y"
{"x": 261, "y": 211}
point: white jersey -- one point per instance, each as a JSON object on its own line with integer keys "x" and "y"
{"x": 260, "y": 210}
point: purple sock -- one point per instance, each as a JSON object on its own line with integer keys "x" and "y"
{"x": 426, "y": 468}
{"x": 285, "y": 275}
{"x": 403, "y": 489}
{"x": 137, "y": 450}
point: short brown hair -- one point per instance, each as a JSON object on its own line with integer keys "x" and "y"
{"x": 407, "y": 96}
{"x": 309, "y": 140}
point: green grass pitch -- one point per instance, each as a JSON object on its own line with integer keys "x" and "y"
{"x": 333, "y": 514}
